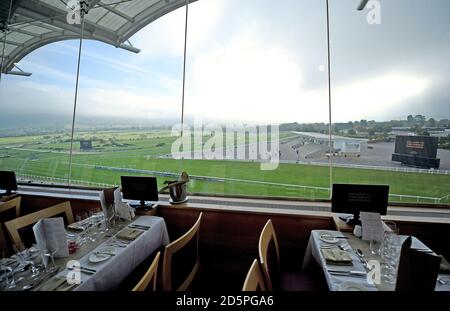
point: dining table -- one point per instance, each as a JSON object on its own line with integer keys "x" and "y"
{"x": 105, "y": 260}
{"x": 354, "y": 276}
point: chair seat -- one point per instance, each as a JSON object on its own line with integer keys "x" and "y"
{"x": 302, "y": 282}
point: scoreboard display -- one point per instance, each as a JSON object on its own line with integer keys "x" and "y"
{"x": 416, "y": 151}
{"x": 422, "y": 146}
{"x": 85, "y": 144}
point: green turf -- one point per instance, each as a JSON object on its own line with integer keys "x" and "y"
{"x": 48, "y": 156}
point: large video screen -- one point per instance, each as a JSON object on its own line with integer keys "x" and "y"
{"x": 422, "y": 146}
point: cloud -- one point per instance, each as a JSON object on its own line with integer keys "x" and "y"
{"x": 251, "y": 80}
{"x": 246, "y": 62}
{"x": 164, "y": 38}
{"x": 115, "y": 102}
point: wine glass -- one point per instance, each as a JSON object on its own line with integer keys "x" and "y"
{"x": 10, "y": 280}
{"x": 50, "y": 252}
{"x": 375, "y": 246}
{"x": 34, "y": 260}
{"x": 390, "y": 251}
{"x": 81, "y": 216}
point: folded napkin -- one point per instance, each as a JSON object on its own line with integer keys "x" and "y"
{"x": 129, "y": 234}
{"x": 337, "y": 257}
{"x": 79, "y": 225}
{"x": 75, "y": 227}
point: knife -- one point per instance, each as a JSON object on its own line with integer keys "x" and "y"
{"x": 351, "y": 272}
{"x": 139, "y": 227}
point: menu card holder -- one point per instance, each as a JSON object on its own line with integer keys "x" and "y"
{"x": 417, "y": 270}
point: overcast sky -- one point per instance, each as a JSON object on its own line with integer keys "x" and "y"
{"x": 253, "y": 61}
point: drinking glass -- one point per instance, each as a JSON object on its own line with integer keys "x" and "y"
{"x": 81, "y": 216}
{"x": 10, "y": 281}
{"x": 375, "y": 246}
{"x": 391, "y": 226}
{"x": 50, "y": 252}
{"x": 390, "y": 252}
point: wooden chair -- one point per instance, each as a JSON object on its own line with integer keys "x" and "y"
{"x": 267, "y": 237}
{"x": 150, "y": 275}
{"x": 4, "y": 207}
{"x": 276, "y": 279}
{"x": 6, "y": 198}
{"x": 13, "y": 226}
{"x": 13, "y": 203}
{"x": 254, "y": 280}
{"x": 174, "y": 247}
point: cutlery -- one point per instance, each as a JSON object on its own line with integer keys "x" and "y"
{"x": 104, "y": 253}
{"x": 59, "y": 284}
{"x": 84, "y": 270}
{"x": 344, "y": 248}
{"x": 119, "y": 240}
{"x": 70, "y": 287}
{"x": 328, "y": 246}
{"x": 362, "y": 258}
{"x": 443, "y": 281}
{"x": 348, "y": 272}
{"x": 139, "y": 227}
{"x": 88, "y": 269}
{"x": 117, "y": 245}
{"x": 332, "y": 236}
{"x": 36, "y": 285}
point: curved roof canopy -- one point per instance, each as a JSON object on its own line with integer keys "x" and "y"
{"x": 35, "y": 23}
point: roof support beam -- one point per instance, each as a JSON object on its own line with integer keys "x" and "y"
{"x": 117, "y": 12}
{"x": 25, "y": 32}
{"x": 45, "y": 26}
{"x": 13, "y": 43}
{"x": 34, "y": 11}
{"x": 149, "y": 15}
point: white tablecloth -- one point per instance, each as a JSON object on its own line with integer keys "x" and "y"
{"x": 110, "y": 273}
{"x": 313, "y": 253}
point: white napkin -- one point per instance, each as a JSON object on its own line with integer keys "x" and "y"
{"x": 50, "y": 233}
{"x": 123, "y": 210}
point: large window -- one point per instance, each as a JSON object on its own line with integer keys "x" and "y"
{"x": 128, "y": 104}
{"x": 251, "y": 64}
{"x": 36, "y": 111}
{"x": 250, "y": 84}
{"x": 389, "y": 73}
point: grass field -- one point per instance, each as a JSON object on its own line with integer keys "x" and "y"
{"x": 47, "y": 156}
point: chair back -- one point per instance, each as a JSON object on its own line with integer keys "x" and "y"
{"x": 269, "y": 254}
{"x": 8, "y": 210}
{"x": 11, "y": 204}
{"x": 254, "y": 280}
{"x": 13, "y": 226}
{"x": 190, "y": 238}
{"x": 149, "y": 276}
{"x": 417, "y": 270}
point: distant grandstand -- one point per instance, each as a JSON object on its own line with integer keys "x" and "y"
{"x": 316, "y": 145}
